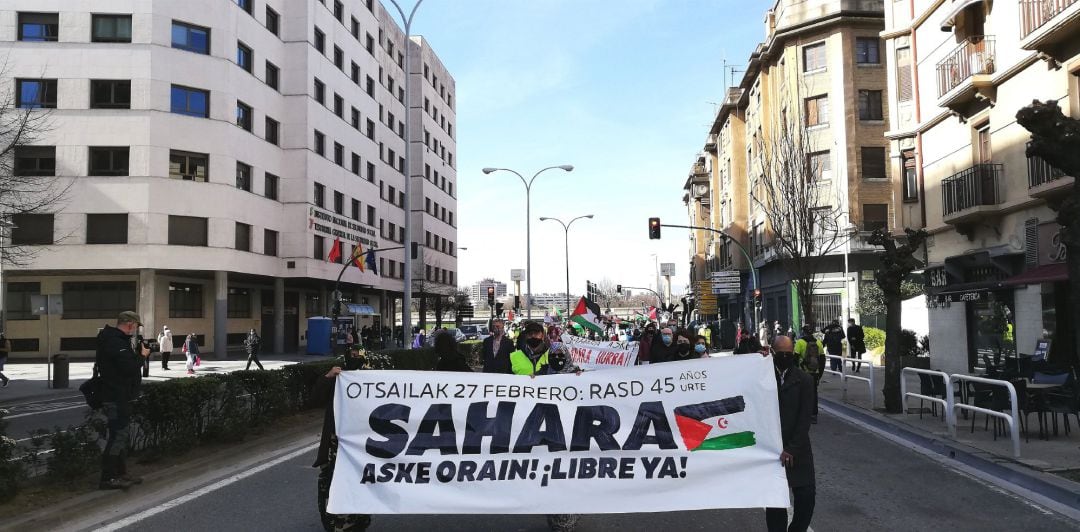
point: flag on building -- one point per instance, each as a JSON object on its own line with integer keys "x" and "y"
{"x": 357, "y": 256}
{"x": 370, "y": 261}
{"x": 586, "y": 314}
{"x": 335, "y": 251}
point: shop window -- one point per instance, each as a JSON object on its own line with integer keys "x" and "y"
{"x": 97, "y": 300}
{"x": 17, "y": 300}
{"x": 185, "y": 300}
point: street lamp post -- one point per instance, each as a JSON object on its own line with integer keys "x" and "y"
{"x": 528, "y": 226}
{"x": 406, "y": 303}
{"x": 566, "y": 241}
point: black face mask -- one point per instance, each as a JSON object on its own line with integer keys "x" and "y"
{"x": 352, "y": 362}
{"x": 783, "y": 361}
{"x": 534, "y": 343}
{"x": 683, "y": 349}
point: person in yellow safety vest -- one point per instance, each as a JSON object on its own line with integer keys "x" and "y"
{"x": 811, "y": 358}
{"x": 704, "y": 331}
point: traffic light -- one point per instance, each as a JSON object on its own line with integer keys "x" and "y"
{"x": 618, "y": 288}
{"x": 517, "y": 302}
{"x": 757, "y": 294}
{"x": 491, "y": 296}
{"x": 498, "y": 309}
{"x": 654, "y": 229}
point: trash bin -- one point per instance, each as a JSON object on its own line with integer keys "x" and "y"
{"x": 60, "y": 371}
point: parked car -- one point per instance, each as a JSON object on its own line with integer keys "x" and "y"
{"x": 471, "y": 332}
{"x": 458, "y": 336}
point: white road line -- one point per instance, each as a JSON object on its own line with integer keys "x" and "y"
{"x": 50, "y": 400}
{"x": 44, "y": 411}
{"x": 133, "y": 519}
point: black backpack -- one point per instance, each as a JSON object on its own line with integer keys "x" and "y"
{"x": 91, "y": 390}
{"x": 811, "y": 356}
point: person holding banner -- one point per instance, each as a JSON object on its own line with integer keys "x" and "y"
{"x": 795, "y": 391}
{"x": 322, "y": 394}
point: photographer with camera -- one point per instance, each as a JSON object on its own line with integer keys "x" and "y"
{"x": 119, "y": 356}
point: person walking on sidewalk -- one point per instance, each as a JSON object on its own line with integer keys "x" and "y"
{"x": 856, "y": 339}
{"x": 834, "y": 343}
{"x": 795, "y": 391}
{"x": 191, "y": 351}
{"x": 164, "y": 340}
{"x": 251, "y": 344}
{"x": 811, "y": 357}
{"x": 118, "y": 360}
{"x": 5, "y": 348}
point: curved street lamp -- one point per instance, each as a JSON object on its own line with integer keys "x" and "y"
{"x": 566, "y": 241}
{"x": 528, "y": 225}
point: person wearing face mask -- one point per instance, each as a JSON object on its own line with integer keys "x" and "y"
{"x": 701, "y": 346}
{"x": 663, "y": 347}
{"x": 532, "y": 357}
{"x": 684, "y": 346}
{"x": 645, "y": 343}
{"x": 795, "y": 391}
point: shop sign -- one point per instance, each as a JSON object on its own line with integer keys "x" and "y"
{"x": 959, "y": 297}
{"x": 1051, "y": 246}
{"x": 340, "y": 227}
{"x": 937, "y": 278}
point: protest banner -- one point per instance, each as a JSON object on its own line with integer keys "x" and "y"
{"x": 678, "y": 436}
{"x": 592, "y": 354}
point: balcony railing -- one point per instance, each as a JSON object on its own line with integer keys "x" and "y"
{"x": 973, "y": 57}
{"x": 1040, "y": 172}
{"x": 1035, "y": 13}
{"x": 977, "y": 186}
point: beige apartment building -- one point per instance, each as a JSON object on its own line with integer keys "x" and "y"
{"x": 959, "y": 72}
{"x": 820, "y": 66}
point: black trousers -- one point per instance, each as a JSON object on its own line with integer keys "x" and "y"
{"x": 118, "y": 425}
{"x": 165, "y": 359}
{"x": 146, "y": 366}
{"x": 253, "y": 356}
{"x": 801, "y": 514}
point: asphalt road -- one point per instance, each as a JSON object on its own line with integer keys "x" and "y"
{"x": 865, "y": 483}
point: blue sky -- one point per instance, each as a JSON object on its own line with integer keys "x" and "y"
{"x": 622, "y": 90}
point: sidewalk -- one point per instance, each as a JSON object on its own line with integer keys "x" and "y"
{"x": 1059, "y": 453}
{"x": 29, "y": 379}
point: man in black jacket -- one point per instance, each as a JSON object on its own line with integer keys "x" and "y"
{"x": 119, "y": 360}
{"x": 496, "y": 349}
{"x": 795, "y": 390}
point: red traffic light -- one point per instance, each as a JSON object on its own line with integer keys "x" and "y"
{"x": 757, "y": 293}
{"x": 654, "y": 229}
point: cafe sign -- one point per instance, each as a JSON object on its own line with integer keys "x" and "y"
{"x": 340, "y": 227}
{"x": 1051, "y": 246}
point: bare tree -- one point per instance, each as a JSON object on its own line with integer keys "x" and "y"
{"x": 801, "y": 205}
{"x": 24, "y": 190}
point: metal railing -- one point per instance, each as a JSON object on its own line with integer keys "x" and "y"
{"x": 1041, "y": 172}
{"x": 946, "y": 403}
{"x": 1035, "y": 13}
{"x": 1011, "y": 418}
{"x": 974, "y": 56}
{"x": 973, "y": 187}
{"x": 845, "y": 376}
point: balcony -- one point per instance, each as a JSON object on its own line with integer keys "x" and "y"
{"x": 964, "y": 74}
{"x": 1045, "y": 181}
{"x": 972, "y": 194}
{"x": 1044, "y": 24}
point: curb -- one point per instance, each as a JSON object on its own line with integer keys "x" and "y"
{"x": 1060, "y": 491}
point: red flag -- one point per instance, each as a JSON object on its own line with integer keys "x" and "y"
{"x": 652, "y": 313}
{"x": 335, "y": 251}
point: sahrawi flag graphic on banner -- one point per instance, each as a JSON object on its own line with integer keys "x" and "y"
{"x": 586, "y": 315}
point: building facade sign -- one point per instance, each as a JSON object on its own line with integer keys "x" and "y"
{"x": 1051, "y": 246}
{"x": 340, "y": 227}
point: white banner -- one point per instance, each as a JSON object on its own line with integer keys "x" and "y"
{"x": 677, "y": 436}
{"x": 593, "y": 354}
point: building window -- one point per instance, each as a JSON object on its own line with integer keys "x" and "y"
{"x": 339, "y": 58}
{"x": 320, "y": 41}
{"x": 339, "y": 203}
{"x": 870, "y": 105}
{"x": 111, "y": 161}
{"x": 371, "y": 172}
{"x": 110, "y": 94}
{"x": 903, "y": 74}
{"x": 272, "y": 74}
{"x": 188, "y": 166}
{"x": 873, "y": 162}
{"x": 270, "y": 243}
{"x": 273, "y": 20}
{"x": 369, "y": 44}
{"x": 911, "y": 179}
{"x": 369, "y": 87}
{"x": 339, "y": 154}
{"x": 17, "y": 304}
{"x": 107, "y": 228}
{"x": 339, "y": 11}
{"x": 817, "y": 111}
{"x": 32, "y": 229}
{"x": 191, "y": 102}
{"x": 356, "y": 164}
{"x": 318, "y": 251}
{"x": 243, "y": 176}
{"x": 96, "y": 300}
{"x": 35, "y": 161}
{"x": 245, "y": 5}
{"x": 355, "y": 28}
{"x": 371, "y": 216}
{"x": 867, "y": 50}
{"x": 875, "y": 216}
{"x": 320, "y": 91}
{"x": 270, "y": 186}
{"x": 110, "y": 28}
{"x": 190, "y": 37}
{"x": 814, "y": 57}
{"x": 320, "y": 143}
{"x": 355, "y": 210}
{"x": 820, "y": 166}
{"x": 355, "y": 73}
{"x": 36, "y": 93}
{"x": 185, "y": 300}
{"x": 187, "y": 231}
{"x": 244, "y": 56}
{"x": 39, "y": 27}
{"x": 243, "y": 116}
{"x": 272, "y": 130}
{"x": 238, "y": 303}
{"x": 320, "y": 195}
{"x": 339, "y": 106}
{"x": 243, "y": 237}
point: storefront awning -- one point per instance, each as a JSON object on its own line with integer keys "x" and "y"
{"x": 957, "y": 7}
{"x": 360, "y": 310}
{"x": 1047, "y": 273}
{"x": 964, "y": 291}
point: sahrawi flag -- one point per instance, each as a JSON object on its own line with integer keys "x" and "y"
{"x": 586, "y": 315}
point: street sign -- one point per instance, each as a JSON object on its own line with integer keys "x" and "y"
{"x": 517, "y": 275}
{"x": 667, "y": 269}
{"x": 725, "y": 273}
{"x": 725, "y": 291}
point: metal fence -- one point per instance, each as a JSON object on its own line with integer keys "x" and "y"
{"x": 1035, "y": 13}
{"x": 974, "y": 56}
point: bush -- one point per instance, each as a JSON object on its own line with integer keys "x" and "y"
{"x": 874, "y": 338}
{"x": 11, "y": 471}
{"x": 909, "y": 344}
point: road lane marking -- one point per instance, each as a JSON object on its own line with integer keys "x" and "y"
{"x": 133, "y": 519}
{"x": 50, "y": 400}
{"x": 44, "y": 411}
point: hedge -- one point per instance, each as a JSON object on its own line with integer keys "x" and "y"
{"x": 873, "y": 338}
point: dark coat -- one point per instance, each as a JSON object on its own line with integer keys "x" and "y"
{"x": 645, "y": 347}
{"x": 119, "y": 366}
{"x": 856, "y": 339}
{"x": 497, "y": 360}
{"x": 322, "y": 395}
{"x": 834, "y": 339}
{"x": 796, "y": 396}
{"x": 662, "y": 353}
{"x": 452, "y": 362}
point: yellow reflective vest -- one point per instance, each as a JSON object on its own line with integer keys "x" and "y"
{"x": 521, "y": 365}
